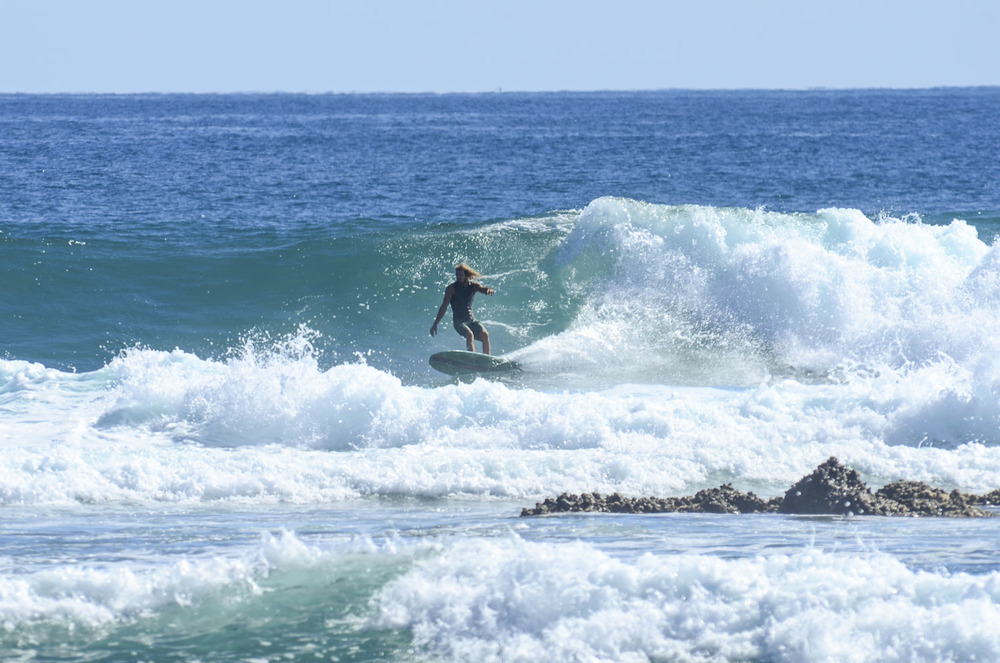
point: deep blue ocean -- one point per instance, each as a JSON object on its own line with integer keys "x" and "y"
{"x": 222, "y": 440}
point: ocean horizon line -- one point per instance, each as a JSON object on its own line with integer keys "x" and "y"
{"x": 488, "y": 92}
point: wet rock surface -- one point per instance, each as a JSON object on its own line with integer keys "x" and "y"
{"x": 831, "y": 489}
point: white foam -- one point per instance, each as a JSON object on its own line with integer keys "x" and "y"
{"x": 813, "y": 291}
{"x": 519, "y": 601}
{"x": 171, "y": 427}
{"x": 96, "y": 594}
{"x": 99, "y": 595}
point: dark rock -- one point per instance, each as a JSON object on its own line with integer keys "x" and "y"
{"x": 616, "y": 503}
{"x": 726, "y": 499}
{"x": 831, "y": 489}
{"x": 989, "y": 499}
{"x": 915, "y": 498}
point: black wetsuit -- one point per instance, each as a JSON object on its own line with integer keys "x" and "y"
{"x": 461, "y": 308}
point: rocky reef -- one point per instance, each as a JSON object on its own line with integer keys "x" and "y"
{"x": 831, "y": 489}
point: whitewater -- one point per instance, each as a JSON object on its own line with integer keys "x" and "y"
{"x": 223, "y": 441}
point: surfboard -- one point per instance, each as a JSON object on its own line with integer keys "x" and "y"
{"x": 462, "y": 362}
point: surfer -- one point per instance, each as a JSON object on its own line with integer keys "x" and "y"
{"x": 459, "y": 294}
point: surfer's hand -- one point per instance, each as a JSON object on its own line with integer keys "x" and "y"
{"x": 490, "y": 291}
{"x": 434, "y": 329}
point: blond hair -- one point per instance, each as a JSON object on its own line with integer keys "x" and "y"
{"x": 468, "y": 270}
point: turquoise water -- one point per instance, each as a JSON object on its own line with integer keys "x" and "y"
{"x": 223, "y": 441}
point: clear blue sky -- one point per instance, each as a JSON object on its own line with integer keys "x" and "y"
{"x": 483, "y": 45}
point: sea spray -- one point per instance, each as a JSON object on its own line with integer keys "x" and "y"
{"x": 813, "y": 290}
